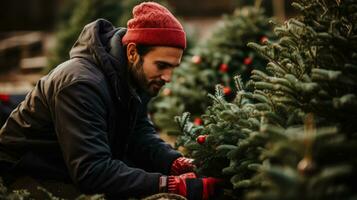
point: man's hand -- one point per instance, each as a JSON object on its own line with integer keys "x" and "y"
{"x": 191, "y": 187}
{"x": 182, "y": 165}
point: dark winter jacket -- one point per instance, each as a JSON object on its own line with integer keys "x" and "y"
{"x": 84, "y": 121}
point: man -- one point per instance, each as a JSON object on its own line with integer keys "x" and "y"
{"x": 86, "y": 121}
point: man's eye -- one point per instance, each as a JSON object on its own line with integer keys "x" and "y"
{"x": 161, "y": 66}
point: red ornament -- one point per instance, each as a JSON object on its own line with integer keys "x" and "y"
{"x": 223, "y": 68}
{"x": 196, "y": 59}
{"x": 248, "y": 61}
{"x": 166, "y": 92}
{"x": 227, "y": 90}
{"x": 198, "y": 121}
{"x": 4, "y": 98}
{"x": 201, "y": 139}
{"x": 264, "y": 39}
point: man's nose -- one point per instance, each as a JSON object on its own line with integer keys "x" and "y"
{"x": 167, "y": 75}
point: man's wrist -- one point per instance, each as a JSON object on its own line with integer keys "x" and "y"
{"x": 163, "y": 184}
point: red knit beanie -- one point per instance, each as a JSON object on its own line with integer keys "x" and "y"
{"x": 153, "y": 24}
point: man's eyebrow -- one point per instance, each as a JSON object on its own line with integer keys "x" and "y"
{"x": 166, "y": 63}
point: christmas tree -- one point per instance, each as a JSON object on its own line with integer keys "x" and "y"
{"x": 213, "y": 62}
{"x": 321, "y": 162}
{"x": 290, "y": 132}
{"x": 228, "y": 144}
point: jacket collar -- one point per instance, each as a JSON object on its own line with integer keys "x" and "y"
{"x": 117, "y": 51}
{"x": 100, "y": 43}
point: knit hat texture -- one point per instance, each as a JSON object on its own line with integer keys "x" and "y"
{"x": 153, "y": 24}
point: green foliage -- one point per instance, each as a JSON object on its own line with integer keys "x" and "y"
{"x": 84, "y": 12}
{"x": 324, "y": 83}
{"x": 12, "y": 195}
{"x": 24, "y": 194}
{"x": 213, "y": 62}
{"x": 291, "y": 133}
{"x": 234, "y": 143}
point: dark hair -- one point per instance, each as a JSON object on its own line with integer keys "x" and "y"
{"x": 144, "y": 49}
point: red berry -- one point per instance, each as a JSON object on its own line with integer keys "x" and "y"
{"x": 198, "y": 121}
{"x": 201, "y": 139}
{"x": 223, "y": 67}
{"x": 196, "y": 59}
{"x": 227, "y": 90}
{"x": 248, "y": 61}
{"x": 4, "y": 98}
{"x": 264, "y": 39}
{"x": 166, "y": 92}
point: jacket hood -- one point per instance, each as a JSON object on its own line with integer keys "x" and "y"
{"x": 96, "y": 44}
{"x": 100, "y": 43}
{"x": 93, "y": 39}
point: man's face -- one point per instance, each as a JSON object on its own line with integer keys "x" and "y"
{"x": 154, "y": 70}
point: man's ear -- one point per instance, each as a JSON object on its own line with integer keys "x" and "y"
{"x": 132, "y": 52}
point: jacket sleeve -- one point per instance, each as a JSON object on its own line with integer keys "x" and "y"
{"x": 81, "y": 128}
{"x": 146, "y": 149}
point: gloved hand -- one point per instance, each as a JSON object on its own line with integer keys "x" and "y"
{"x": 182, "y": 165}
{"x": 191, "y": 187}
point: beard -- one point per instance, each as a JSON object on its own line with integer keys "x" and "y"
{"x": 139, "y": 79}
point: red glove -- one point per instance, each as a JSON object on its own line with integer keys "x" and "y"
{"x": 182, "y": 165}
{"x": 191, "y": 187}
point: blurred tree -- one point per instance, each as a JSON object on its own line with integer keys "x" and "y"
{"x": 83, "y": 13}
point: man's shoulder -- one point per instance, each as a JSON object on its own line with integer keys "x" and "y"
{"x": 76, "y": 70}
